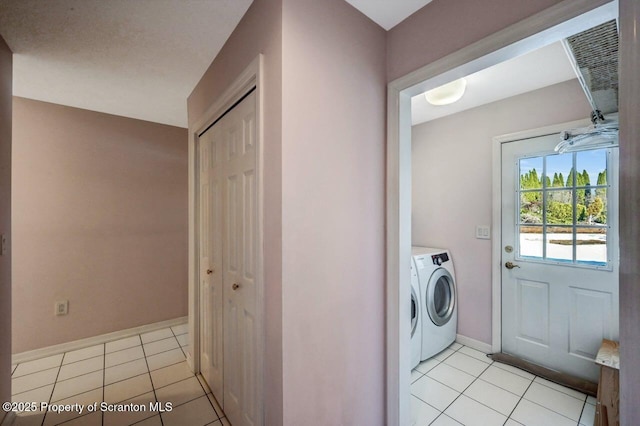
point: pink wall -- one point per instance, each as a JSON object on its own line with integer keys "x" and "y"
{"x": 330, "y": 50}
{"x": 99, "y": 218}
{"x": 445, "y": 26}
{"x": 458, "y": 149}
{"x": 629, "y": 207}
{"x": 333, "y": 151}
{"x": 259, "y": 31}
{"x": 6, "y": 81}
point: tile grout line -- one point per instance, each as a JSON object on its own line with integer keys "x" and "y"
{"x": 582, "y": 411}
{"x": 34, "y": 372}
{"x": 86, "y": 414}
{"x": 155, "y": 395}
{"x": 465, "y": 389}
{"x": 520, "y": 400}
{"x": 53, "y": 388}
{"x": 553, "y": 411}
{"x": 547, "y": 408}
{"x": 461, "y": 393}
{"x": 441, "y": 412}
{"x": 455, "y": 368}
{"x": 425, "y": 375}
{"x": 196, "y": 376}
{"x": 557, "y": 390}
{"x": 478, "y": 378}
{"x": 180, "y": 346}
{"x": 506, "y": 390}
{"x": 498, "y": 365}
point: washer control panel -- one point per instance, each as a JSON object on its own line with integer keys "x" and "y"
{"x": 439, "y": 259}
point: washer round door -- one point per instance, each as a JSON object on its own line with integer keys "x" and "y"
{"x": 414, "y": 312}
{"x": 441, "y": 297}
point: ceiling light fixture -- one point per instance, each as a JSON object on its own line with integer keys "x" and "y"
{"x": 447, "y": 93}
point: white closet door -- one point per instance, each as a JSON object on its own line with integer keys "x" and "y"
{"x": 228, "y": 219}
{"x": 239, "y": 270}
{"x": 211, "y": 223}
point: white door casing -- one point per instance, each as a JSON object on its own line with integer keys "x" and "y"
{"x": 557, "y": 303}
{"x": 250, "y": 395}
{"x": 559, "y": 21}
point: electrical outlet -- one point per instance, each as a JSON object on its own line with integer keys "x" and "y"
{"x": 483, "y": 232}
{"x": 62, "y": 307}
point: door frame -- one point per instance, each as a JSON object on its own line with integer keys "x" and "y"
{"x": 549, "y": 25}
{"x": 251, "y": 76}
{"x": 496, "y": 220}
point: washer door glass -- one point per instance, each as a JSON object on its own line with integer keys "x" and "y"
{"x": 414, "y": 312}
{"x": 441, "y": 297}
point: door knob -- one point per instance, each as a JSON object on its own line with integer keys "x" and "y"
{"x": 235, "y": 286}
{"x": 511, "y": 265}
{"x": 209, "y": 271}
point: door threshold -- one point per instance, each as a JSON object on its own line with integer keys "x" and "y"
{"x": 581, "y": 385}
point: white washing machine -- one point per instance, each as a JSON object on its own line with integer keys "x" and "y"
{"x": 438, "y": 299}
{"x": 416, "y": 318}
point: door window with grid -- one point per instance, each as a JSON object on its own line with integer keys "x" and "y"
{"x": 564, "y": 207}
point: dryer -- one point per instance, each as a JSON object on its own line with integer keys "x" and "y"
{"x": 438, "y": 299}
{"x": 416, "y": 318}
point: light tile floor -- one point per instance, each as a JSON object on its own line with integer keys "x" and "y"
{"x": 461, "y": 386}
{"x": 138, "y": 370}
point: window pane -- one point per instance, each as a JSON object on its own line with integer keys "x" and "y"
{"x": 594, "y": 209}
{"x": 531, "y": 173}
{"x": 591, "y": 245}
{"x": 592, "y": 165}
{"x": 531, "y": 207}
{"x": 559, "y": 207}
{"x": 560, "y": 243}
{"x": 531, "y": 241}
{"x": 560, "y": 170}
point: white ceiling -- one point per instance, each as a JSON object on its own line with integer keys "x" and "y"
{"x": 388, "y": 13}
{"x": 142, "y": 58}
{"x": 541, "y": 68}
{"x": 138, "y": 59}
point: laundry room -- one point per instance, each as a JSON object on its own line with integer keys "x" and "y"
{"x": 460, "y": 203}
{"x": 452, "y": 170}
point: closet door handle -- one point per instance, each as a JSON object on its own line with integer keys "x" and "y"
{"x": 235, "y": 286}
{"x": 209, "y": 271}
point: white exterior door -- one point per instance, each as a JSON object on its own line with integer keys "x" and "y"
{"x": 559, "y": 254}
{"x": 230, "y": 334}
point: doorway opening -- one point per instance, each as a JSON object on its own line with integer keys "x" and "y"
{"x": 552, "y": 25}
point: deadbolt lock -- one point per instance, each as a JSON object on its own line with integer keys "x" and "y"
{"x": 508, "y": 249}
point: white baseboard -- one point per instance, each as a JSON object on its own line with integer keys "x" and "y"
{"x": 473, "y": 343}
{"x": 9, "y": 419}
{"x": 92, "y": 341}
